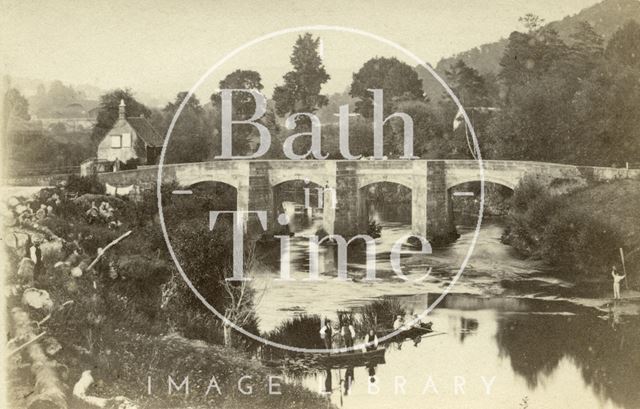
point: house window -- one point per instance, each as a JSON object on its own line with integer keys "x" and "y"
{"x": 116, "y": 141}
{"x": 126, "y": 140}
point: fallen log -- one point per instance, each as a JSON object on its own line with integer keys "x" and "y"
{"x": 49, "y": 390}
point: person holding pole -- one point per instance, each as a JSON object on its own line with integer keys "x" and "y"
{"x": 616, "y": 282}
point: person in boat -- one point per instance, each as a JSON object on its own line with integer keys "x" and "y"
{"x": 417, "y": 323}
{"x": 398, "y": 323}
{"x": 326, "y": 333}
{"x": 371, "y": 340}
{"x": 348, "y": 334}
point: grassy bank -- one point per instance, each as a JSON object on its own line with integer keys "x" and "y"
{"x": 579, "y": 233}
{"x": 129, "y": 317}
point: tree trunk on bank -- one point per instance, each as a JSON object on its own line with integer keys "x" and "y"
{"x": 49, "y": 391}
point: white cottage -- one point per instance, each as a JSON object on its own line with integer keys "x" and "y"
{"x": 130, "y": 138}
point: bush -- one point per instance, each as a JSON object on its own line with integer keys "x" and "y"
{"x": 85, "y": 184}
{"x": 552, "y": 228}
{"x": 577, "y": 242}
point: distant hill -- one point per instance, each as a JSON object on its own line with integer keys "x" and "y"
{"x": 605, "y": 17}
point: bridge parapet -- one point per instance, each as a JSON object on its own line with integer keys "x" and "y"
{"x": 430, "y": 182}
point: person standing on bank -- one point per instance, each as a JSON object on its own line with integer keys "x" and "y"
{"x": 616, "y": 282}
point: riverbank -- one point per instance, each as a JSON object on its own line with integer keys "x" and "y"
{"x": 579, "y": 234}
{"x": 122, "y": 318}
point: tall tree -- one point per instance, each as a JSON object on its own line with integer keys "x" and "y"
{"x": 471, "y": 89}
{"x": 624, "y": 45}
{"x": 15, "y": 106}
{"x": 192, "y": 135}
{"x": 467, "y": 83}
{"x": 608, "y": 116}
{"x": 243, "y": 107}
{"x": 301, "y": 89}
{"x": 108, "y": 114}
{"x": 587, "y": 44}
{"x": 398, "y": 80}
{"x": 529, "y": 55}
{"x": 243, "y": 103}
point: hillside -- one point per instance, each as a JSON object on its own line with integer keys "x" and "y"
{"x": 606, "y": 17}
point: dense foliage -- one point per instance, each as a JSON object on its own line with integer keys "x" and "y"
{"x": 562, "y": 230}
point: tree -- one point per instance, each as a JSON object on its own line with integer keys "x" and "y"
{"x": 108, "y": 114}
{"x": 398, "y": 80}
{"x": 586, "y": 42}
{"x": 243, "y": 103}
{"x": 608, "y": 136}
{"x": 467, "y": 84}
{"x": 243, "y": 107}
{"x": 301, "y": 89}
{"x": 531, "y": 22}
{"x": 624, "y": 45}
{"x": 530, "y": 55}
{"x": 427, "y": 129}
{"x": 15, "y": 106}
{"x": 192, "y": 134}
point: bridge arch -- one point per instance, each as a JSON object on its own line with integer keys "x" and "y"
{"x": 367, "y": 180}
{"x": 452, "y": 182}
{"x": 278, "y": 178}
{"x": 226, "y": 180}
{"x": 365, "y": 206}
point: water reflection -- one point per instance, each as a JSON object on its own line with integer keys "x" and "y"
{"x": 607, "y": 357}
{"x": 555, "y": 354}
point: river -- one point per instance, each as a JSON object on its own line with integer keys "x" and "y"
{"x": 506, "y": 336}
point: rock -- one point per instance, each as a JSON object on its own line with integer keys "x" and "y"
{"x": 52, "y": 250}
{"x": 20, "y": 208}
{"x": 51, "y": 346}
{"x": 76, "y": 272}
{"x": 25, "y": 270}
{"x": 38, "y": 299}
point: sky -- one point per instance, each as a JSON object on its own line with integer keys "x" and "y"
{"x": 159, "y": 48}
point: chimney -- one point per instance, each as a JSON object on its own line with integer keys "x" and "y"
{"x": 121, "y": 110}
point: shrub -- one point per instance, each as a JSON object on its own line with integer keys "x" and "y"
{"x": 552, "y": 228}
{"x": 85, "y": 184}
{"x": 579, "y": 243}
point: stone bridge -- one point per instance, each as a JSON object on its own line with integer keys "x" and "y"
{"x": 431, "y": 183}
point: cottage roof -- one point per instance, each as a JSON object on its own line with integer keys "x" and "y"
{"x": 145, "y": 130}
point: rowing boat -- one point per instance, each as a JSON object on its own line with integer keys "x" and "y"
{"x": 412, "y": 332}
{"x": 355, "y": 357}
